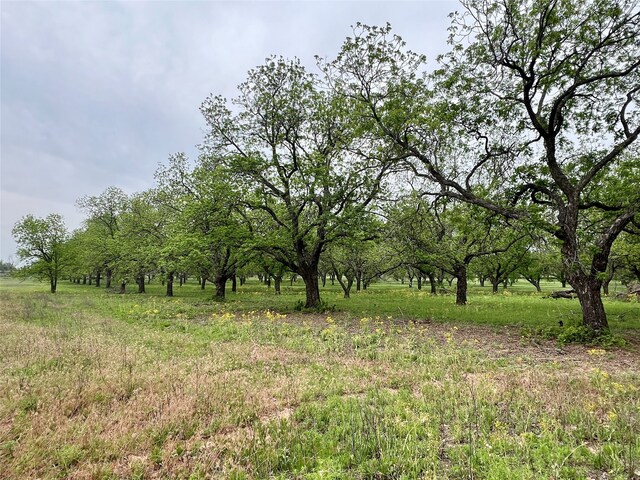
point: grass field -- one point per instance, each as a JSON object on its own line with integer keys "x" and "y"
{"x": 392, "y": 384}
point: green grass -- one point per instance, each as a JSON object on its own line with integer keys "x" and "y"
{"x": 393, "y": 384}
{"x": 518, "y": 306}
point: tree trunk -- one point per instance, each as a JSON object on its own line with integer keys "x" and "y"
{"x": 54, "y": 284}
{"x": 586, "y": 284}
{"x": 140, "y": 281}
{"x": 203, "y": 282}
{"x": 234, "y": 284}
{"x": 220, "y": 283}
{"x": 419, "y": 282}
{"x": 170, "y": 284}
{"x": 324, "y": 280}
{"x": 84, "y": 279}
{"x": 607, "y": 280}
{"x": 277, "y": 280}
{"x": 312, "y": 287}
{"x": 109, "y": 276}
{"x": 482, "y": 279}
{"x": 588, "y": 290}
{"x": 98, "y": 276}
{"x": 123, "y": 287}
{"x": 461, "y": 284}
{"x": 535, "y": 282}
{"x": 494, "y": 286}
{"x": 358, "y": 282}
{"x": 346, "y": 287}
{"x": 90, "y": 279}
{"x": 432, "y": 281}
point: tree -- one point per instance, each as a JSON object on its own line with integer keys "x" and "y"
{"x": 538, "y": 263}
{"x": 102, "y": 225}
{"x": 41, "y": 242}
{"x": 6, "y": 267}
{"x": 140, "y": 238}
{"x": 500, "y": 267}
{"x": 627, "y": 250}
{"x": 536, "y": 104}
{"x": 293, "y": 152}
{"x": 449, "y": 236}
{"x": 360, "y": 260}
{"x": 208, "y": 234}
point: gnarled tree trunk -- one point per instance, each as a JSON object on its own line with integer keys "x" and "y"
{"x": 460, "y": 271}
{"x": 220, "y": 283}
{"x": 140, "y": 281}
{"x": 312, "y": 286}
{"x": 587, "y": 289}
{"x": 432, "y": 281}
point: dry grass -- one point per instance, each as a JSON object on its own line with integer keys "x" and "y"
{"x": 88, "y": 395}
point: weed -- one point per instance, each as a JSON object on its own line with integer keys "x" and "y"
{"x": 568, "y": 334}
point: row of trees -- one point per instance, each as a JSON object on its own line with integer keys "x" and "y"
{"x": 523, "y": 139}
{"x": 416, "y": 240}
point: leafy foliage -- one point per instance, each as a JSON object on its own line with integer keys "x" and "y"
{"x": 41, "y": 243}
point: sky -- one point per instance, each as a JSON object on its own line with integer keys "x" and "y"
{"x": 95, "y": 94}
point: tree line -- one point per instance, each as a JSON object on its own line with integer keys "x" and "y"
{"x": 516, "y": 156}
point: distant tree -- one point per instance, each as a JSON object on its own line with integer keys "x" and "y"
{"x": 78, "y": 254}
{"x": 208, "y": 233}
{"x": 538, "y": 263}
{"x": 500, "y": 267}
{"x": 139, "y": 239}
{"x": 102, "y": 225}
{"x": 627, "y": 251}
{"x": 449, "y": 236}
{"x": 6, "y": 268}
{"x": 41, "y": 243}
{"x": 360, "y": 260}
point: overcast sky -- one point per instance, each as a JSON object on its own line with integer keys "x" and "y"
{"x": 95, "y": 94}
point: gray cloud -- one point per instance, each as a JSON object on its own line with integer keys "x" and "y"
{"x": 98, "y": 93}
